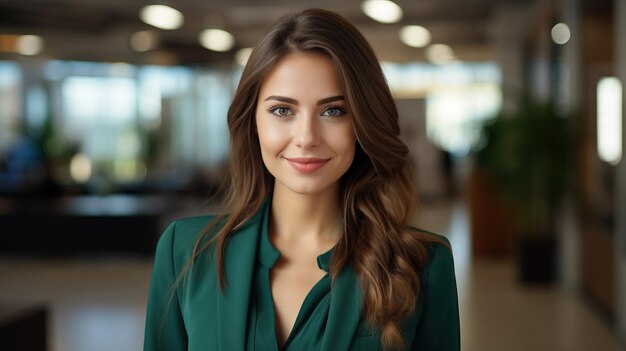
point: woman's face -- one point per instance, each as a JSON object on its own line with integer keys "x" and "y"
{"x": 304, "y": 124}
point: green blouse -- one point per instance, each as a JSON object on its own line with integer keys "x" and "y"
{"x": 307, "y": 331}
{"x": 196, "y": 315}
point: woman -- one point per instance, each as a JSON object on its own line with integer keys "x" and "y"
{"x": 315, "y": 253}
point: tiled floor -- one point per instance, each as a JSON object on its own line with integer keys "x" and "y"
{"x": 99, "y": 303}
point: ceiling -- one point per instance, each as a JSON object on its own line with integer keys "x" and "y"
{"x": 99, "y": 30}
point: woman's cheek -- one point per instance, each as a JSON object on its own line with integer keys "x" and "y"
{"x": 273, "y": 136}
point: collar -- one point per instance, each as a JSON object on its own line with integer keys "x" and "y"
{"x": 268, "y": 255}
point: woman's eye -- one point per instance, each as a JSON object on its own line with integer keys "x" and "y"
{"x": 333, "y": 112}
{"x": 280, "y": 111}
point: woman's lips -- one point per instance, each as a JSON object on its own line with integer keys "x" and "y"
{"x": 307, "y": 165}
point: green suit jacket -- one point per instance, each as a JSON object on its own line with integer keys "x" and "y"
{"x": 196, "y": 315}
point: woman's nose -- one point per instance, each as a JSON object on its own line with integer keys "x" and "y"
{"x": 306, "y": 132}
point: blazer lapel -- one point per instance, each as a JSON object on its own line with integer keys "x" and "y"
{"x": 345, "y": 311}
{"x": 239, "y": 263}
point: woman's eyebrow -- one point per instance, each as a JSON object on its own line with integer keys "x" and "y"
{"x": 282, "y": 99}
{"x": 330, "y": 99}
{"x": 289, "y": 100}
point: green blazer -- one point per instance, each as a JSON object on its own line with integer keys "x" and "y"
{"x": 198, "y": 316}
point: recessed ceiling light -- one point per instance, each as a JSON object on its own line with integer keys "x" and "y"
{"x": 29, "y": 44}
{"x": 143, "y": 41}
{"x": 217, "y": 40}
{"x": 161, "y": 16}
{"x": 439, "y": 53}
{"x": 384, "y": 11}
{"x": 560, "y": 33}
{"x": 415, "y": 36}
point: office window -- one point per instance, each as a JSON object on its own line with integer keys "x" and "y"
{"x": 10, "y": 106}
{"x": 458, "y": 97}
{"x": 609, "y": 127}
{"x": 99, "y": 120}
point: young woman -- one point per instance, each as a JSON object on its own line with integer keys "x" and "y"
{"x": 315, "y": 252}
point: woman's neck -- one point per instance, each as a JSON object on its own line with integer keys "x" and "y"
{"x": 310, "y": 219}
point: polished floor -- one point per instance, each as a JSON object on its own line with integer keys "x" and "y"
{"x": 98, "y": 303}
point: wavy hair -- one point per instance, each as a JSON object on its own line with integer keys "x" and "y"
{"x": 377, "y": 196}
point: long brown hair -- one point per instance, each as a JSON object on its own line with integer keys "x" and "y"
{"x": 377, "y": 197}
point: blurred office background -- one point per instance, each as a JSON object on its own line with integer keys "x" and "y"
{"x": 113, "y": 123}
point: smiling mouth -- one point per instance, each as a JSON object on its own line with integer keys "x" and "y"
{"x": 307, "y": 165}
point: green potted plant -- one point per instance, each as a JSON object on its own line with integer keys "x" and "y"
{"x": 528, "y": 156}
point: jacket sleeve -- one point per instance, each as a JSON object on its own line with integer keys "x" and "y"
{"x": 439, "y": 326}
{"x": 165, "y": 329}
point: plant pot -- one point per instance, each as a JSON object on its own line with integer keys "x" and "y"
{"x": 537, "y": 259}
{"x": 492, "y": 219}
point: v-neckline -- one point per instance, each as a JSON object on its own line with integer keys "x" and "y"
{"x": 304, "y": 307}
{"x": 269, "y": 256}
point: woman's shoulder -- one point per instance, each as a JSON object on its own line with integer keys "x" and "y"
{"x": 432, "y": 240}
{"x": 437, "y": 322}
{"x": 440, "y": 257}
{"x": 189, "y": 226}
{"x": 180, "y": 236}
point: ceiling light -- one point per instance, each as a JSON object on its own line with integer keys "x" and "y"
{"x": 143, "y": 41}
{"x": 217, "y": 40}
{"x": 560, "y": 33}
{"x": 242, "y": 56}
{"x": 161, "y": 16}
{"x": 439, "y": 53}
{"x": 29, "y": 44}
{"x": 415, "y": 36}
{"x": 383, "y": 11}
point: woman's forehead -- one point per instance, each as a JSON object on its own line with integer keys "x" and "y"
{"x": 305, "y": 75}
